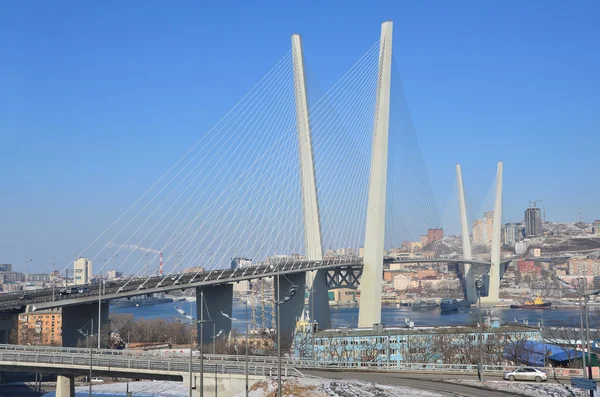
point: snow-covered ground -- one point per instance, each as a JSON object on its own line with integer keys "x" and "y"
{"x": 139, "y": 389}
{"x": 330, "y": 388}
{"x": 530, "y": 389}
{"x": 304, "y": 387}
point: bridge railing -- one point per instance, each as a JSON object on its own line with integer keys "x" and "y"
{"x": 130, "y": 361}
{"x": 131, "y": 364}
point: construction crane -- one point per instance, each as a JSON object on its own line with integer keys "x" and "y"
{"x": 535, "y": 203}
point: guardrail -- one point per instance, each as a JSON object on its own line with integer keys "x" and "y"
{"x": 133, "y": 364}
{"x": 258, "y": 365}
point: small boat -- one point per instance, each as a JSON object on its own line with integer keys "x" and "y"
{"x": 537, "y": 303}
{"x": 453, "y": 305}
{"x": 420, "y": 305}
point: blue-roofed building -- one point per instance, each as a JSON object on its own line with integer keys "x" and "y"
{"x": 541, "y": 354}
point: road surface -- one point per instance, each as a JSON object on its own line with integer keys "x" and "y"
{"x": 428, "y": 382}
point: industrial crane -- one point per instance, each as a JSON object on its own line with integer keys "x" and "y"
{"x": 535, "y": 202}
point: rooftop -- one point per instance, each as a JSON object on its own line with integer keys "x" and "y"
{"x": 422, "y": 330}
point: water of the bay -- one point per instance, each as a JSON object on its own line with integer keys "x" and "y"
{"x": 391, "y": 315}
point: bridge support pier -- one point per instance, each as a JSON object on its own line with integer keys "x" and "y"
{"x": 8, "y": 323}
{"x": 228, "y": 385}
{"x": 318, "y": 299}
{"x": 77, "y": 322}
{"x": 291, "y": 310}
{"x": 217, "y": 299}
{"x": 65, "y": 386}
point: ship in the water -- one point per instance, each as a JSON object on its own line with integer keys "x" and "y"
{"x": 453, "y": 305}
{"x": 537, "y": 303}
{"x": 423, "y": 305}
{"x": 142, "y": 301}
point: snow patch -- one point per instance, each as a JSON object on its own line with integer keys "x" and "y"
{"x": 529, "y": 389}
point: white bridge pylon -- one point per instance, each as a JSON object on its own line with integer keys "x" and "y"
{"x": 313, "y": 246}
{"x": 493, "y": 284}
{"x": 371, "y": 282}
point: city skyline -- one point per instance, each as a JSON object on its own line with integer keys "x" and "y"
{"x": 120, "y": 145}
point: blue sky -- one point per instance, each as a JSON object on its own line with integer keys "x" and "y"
{"x": 97, "y": 99}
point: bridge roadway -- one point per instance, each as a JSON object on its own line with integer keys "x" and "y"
{"x": 47, "y": 298}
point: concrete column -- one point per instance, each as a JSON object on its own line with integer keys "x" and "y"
{"x": 79, "y": 317}
{"x": 494, "y": 278}
{"x": 292, "y": 310}
{"x": 370, "y": 285}
{"x": 217, "y": 299}
{"x": 470, "y": 290}
{"x": 65, "y": 386}
{"x": 313, "y": 245}
{"x": 8, "y": 324}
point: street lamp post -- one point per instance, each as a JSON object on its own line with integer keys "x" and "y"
{"x": 214, "y": 338}
{"x": 235, "y": 320}
{"x": 87, "y": 339}
{"x": 99, "y": 308}
{"x": 91, "y": 355}
{"x": 583, "y": 309}
{"x": 191, "y": 351}
{"x": 478, "y": 285}
{"x": 288, "y": 296}
{"x": 278, "y": 339}
{"x": 201, "y": 322}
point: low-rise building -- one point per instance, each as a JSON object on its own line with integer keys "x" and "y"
{"x": 584, "y": 267}
{"x": 427, "y": 273}
{"x": 529, "y": 268}
{"x": 342, "y": 295}
{"x": 40, "y": 328}
{"x": 401, "y": 282}
{"x": 409, "y": 344}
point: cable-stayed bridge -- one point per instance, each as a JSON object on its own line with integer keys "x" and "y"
{"x": 284, "y": 179}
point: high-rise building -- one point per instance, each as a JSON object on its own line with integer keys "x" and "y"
{"x": 240, "y": 262}
{"x": 533, "y": 222}
{"x": 483, "y": 229}
{"x": 82, "y": 269}
{"x": 434, "y": 235}
{"x": 5, "y": 267}
{"x": 511, "y": 233}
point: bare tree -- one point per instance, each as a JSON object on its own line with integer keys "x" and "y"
{"x": 560, "y": 335}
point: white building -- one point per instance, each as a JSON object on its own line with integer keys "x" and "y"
{"x": 82, "y": 271}
{"x": 520, "y": 247}
{"x": 242, "y": 286}
{"x": 401, "y": 282}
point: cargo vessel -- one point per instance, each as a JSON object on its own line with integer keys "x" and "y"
{"x": 453, "y": 305}
{"x": 537, "y": 303}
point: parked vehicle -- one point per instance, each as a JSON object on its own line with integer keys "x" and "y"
{"x": 526, "y": 373}
{"x": 25, "y": 297}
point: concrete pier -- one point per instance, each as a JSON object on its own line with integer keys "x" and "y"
{"x": 77, "y": 322}
{"x": 65, "y": 386}
{"x": 291, "y": 310}
{"x": 217, "y": 299}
